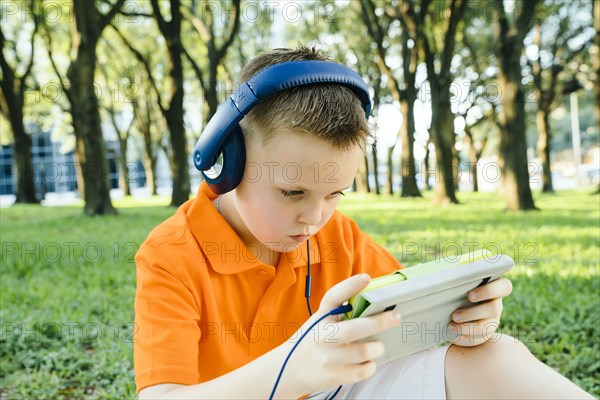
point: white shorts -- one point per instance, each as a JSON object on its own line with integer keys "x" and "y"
{"x": 417, "y": 376}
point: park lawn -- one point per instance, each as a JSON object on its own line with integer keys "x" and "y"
{"x": 68, "y": 282}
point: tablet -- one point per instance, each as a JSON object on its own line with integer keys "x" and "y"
{"x": 425, "y": 295}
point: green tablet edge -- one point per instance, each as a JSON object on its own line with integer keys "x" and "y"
{"x": 360, "y": 304}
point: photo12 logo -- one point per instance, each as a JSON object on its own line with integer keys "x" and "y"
{"x": 253, "y": 12}
{"x": 523, "y": 253}
{"x": 54, "y": 252}
{"x": 67, "y": 331}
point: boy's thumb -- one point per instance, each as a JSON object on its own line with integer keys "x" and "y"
{"x": 343, "y": 291}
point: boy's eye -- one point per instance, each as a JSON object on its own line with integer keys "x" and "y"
{"x": 292, "y": 193}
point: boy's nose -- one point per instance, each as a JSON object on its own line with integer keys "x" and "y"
{"x": 311, "y": 215}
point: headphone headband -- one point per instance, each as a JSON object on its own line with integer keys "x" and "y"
{"x": 292, "y": 74}
{"x": 219, "y": 133}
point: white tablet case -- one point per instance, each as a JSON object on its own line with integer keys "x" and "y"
{"x": 426, "y": 303}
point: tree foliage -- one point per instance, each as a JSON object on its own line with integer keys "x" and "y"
{"x": 471, "y": 75}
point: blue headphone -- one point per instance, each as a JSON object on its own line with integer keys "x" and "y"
{"x": 220, "y": 153}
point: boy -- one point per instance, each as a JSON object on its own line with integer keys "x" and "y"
{"x": 221, "y": 283}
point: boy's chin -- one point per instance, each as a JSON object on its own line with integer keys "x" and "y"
{"x": 285, "y": 246}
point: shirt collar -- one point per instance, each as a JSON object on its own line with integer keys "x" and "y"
{"x": 222, "y": 246}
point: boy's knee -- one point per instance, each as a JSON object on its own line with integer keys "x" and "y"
{"x": 506, "y": 344}
{"x": 497, "y": 348}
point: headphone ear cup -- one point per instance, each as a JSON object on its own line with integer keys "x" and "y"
{"x": 233, "y": 155}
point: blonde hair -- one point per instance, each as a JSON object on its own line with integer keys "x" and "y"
{"x": 328, "y": 111}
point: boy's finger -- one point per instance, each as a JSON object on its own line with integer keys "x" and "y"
{"x": 356, "y": 372}
{"x": 474, "y": 333}
{"x": 358, "y": 328}
{"x": 356, "y": 353}
{"x": 341, "y": 292}
{"x": 489, "y": 309}
{"x": 498, "y": 288}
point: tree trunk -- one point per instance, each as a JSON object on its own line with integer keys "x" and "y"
{"x": 375, "y": 167}
{"x": 407, "y": 130}
{"x": 473, "y": 158}
{"x": 595, "y": 55}
{"x": 442, "y": 127}
{"x": 124, "y": 176}
{"x": 179, "y": 162}
{"x": 426, "y": 172}
{"x": 150, "y": 166}
{"x": 455, "y": 167}
{"x": 143, "y": 118}
{"x": 150, "y": 170}
{"x": 407, "y": 157}
{"x": 442, "y": 124}
{"x": 12, "y": 108}
{"x": 91, "y": 149}
{"x": 596, "y": 65}
{"x": 211, "y": 94}
{"x": 513, "y": 143}
{"x": 24, "y": 165}
{"x": 179, "y": 156}
{"x": 362, "y": 176}
{"x": 389, "y": 184}
{"x": 150, "y": 155}
{"x": 543, "y": 146}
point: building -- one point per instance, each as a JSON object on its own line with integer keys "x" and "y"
{"x": 54, "y": 171}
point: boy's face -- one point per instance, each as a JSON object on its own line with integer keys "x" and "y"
{"x": 290, "y": 189}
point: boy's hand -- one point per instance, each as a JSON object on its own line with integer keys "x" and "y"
{"x": 478, "y": 323}
{"x": 329, "y": 356}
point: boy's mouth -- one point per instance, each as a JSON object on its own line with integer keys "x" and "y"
{"x": 300, "y": 238}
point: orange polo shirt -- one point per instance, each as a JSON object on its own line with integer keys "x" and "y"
{"x": 205, "y": 306}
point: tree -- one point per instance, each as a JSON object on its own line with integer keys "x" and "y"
{"x": 596, "y": 63}
{"x": 596, "y": 57}
{"x": 150, "y": 124}
{"x": 404, "y": 94}
{"x": 12, "y": 101}
{"x": 513, "y": 144}
{"x": 143, "y": 87}
{"x": 88, "y": 23}
{"x": 474, "y": 153}
{"x": 440, "y": 79}
{"x": 377, "y": 93}
{"x": 478, "y": 107}
{"x": 359, "y": 55}
{"x": 118, "y": 73}
{"x": 173, "y": 111}
{"x": 550, "y": 75}
{"x": 206, "y": 29}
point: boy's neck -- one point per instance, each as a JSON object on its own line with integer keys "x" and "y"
{"x": 265, "y": 255}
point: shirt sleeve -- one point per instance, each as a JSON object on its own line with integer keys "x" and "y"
{"x": 167, "y": 327}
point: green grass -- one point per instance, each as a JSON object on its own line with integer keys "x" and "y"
{"x": 68, "y": 282}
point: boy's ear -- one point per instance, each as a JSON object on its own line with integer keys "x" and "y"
{"x": 228, "y": 170}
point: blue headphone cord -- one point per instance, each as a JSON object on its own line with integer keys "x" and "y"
{"x": 307, "y": 285}
{"x": 339, "y": 310}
